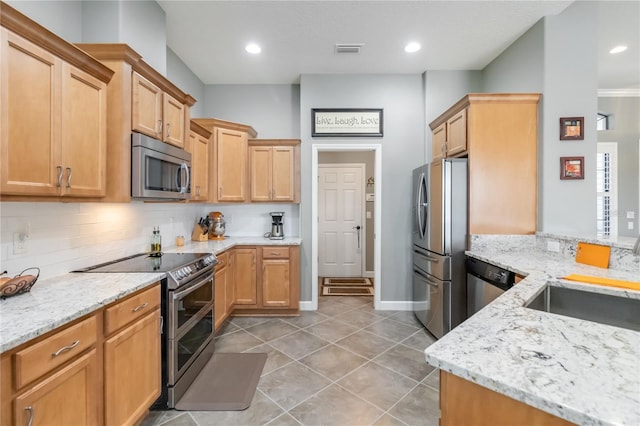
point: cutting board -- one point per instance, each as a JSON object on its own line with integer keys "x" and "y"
{"x": 593, "y": 254}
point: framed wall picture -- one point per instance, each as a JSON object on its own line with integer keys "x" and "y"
{"x": 571, "y": 128}
{"x": 571, "y": 168}
{"x": 346, "y": 122}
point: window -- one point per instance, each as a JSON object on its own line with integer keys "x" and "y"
{"x": 607, "y": 189}
{"x": 602, "y": 122}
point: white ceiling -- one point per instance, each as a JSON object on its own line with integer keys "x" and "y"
{"x": 298, "y": 37}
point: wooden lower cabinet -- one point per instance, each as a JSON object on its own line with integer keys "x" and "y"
{"x": 245, "y": 278}
{"x": 220, "y": 295}
{"x": 132, "y": 369}
{"x": 102, "y": 369}
{"x": 68, "y": 397}
{"x": 465, "y": 403}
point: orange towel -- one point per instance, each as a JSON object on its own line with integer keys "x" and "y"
{"x": 631, "y": 285}
{"x": 593, "y": 254}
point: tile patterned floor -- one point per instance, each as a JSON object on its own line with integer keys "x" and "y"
{"x": 344, "y": 364}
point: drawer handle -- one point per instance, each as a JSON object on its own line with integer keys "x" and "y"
{"x": 65, "y": 348}
{"x": 31, "y": 413}
{"x": 137, "y": 308}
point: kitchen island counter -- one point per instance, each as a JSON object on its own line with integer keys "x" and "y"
{"x": 581, "y": 371}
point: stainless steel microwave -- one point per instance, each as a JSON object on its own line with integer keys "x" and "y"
{"x": 159, "y": 170}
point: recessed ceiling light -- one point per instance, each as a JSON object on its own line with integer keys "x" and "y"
{"x": 412, "y": 47}
{"x": 253, "y": 48}
{"x": 618, "y": 49}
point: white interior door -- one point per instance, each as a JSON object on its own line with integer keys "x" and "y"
{"x": 340, "y": 222}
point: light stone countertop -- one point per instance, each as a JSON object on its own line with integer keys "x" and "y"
{"x": 56, "y": 301}
{"x": 584, "y": 372}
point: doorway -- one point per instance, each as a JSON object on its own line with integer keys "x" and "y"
{"x": 373, "y": 189}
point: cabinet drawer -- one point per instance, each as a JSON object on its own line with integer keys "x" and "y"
{"x": 40, "y": 358}
{"x": 131, "y": 309}
{"x": 275, "y": 252}
{"x": 223, "y": 261}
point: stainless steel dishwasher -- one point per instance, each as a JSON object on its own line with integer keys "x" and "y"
{"x": 485, "y": 282}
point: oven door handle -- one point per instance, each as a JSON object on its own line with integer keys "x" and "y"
{"x": 180, "y": 294}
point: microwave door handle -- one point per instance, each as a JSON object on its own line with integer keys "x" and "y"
{"x": 183, "y": 189}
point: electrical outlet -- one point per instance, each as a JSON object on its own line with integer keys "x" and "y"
{"x": 368, "y": 215}
{"x": 20, "y": 243}
{"x": 630, "y": 225}
{"x": 553, "y": 246}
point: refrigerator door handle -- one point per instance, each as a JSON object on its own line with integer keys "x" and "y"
{"x": 425, "y": 255}
{"x": 421, "y": 206}
{"x": 428, "y": 280}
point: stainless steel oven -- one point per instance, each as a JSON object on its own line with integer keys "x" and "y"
{"x": 187, "y": 310}
{"x": 190, "y": 333}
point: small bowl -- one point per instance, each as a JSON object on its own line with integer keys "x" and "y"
{"x": 18, "y": 284}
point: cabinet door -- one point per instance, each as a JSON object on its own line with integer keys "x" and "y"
{"x": 261, "y": 169}
{"x": 146, "y": 107}
{"x": 68, "y": 397}
{"x": 132, "y": 371}
{"x": 283, "y": 174}
{"x": 231, "y": 166}
{"x": 29, "y": 112}
{"x": 230, "y": 293}
{"x": 172, "y": 121}
{"x": 457, "y": 133}
{"x": 84, "y": 133}
{"x": 220, "y": 298}
{"x": 199, "y": 167}
{"x": 245, "y": 276}
{"x": 276, "y": 284}
{"x": 439, "y": 142}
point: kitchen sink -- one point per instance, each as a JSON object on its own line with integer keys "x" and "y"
{"x": 590, "y": 306}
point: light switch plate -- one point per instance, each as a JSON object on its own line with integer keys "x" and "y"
{"x": 631, "y": 214}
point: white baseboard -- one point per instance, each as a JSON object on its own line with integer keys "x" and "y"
{"x": 368, "y": 274}
{"x": 308, "y": 306}
{"x": 395, "y": 306}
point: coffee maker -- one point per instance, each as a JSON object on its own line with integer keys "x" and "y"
{"x": 277, "y": 227}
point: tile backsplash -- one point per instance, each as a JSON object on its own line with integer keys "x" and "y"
{"x": 61, "y": 237}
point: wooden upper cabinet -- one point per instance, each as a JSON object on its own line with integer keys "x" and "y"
{"x": 439, "y": 142}
{"x": 84, "y": 133}
{"x": 199, "y": 147}
{"x": 228, "y": 158}
{"x": 231, "y": 170}
{"x": 498, "y": 133}
{"x": 53, "y": 112}
{"x": 173, "y": 120}
{"x": 457, "y": 134}
{"x": 275, "y": 170}
{"x": 449, "y": 139}
{"x": 146, "y": 107}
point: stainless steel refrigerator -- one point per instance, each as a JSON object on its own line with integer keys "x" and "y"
{"x": 439, "y": 241}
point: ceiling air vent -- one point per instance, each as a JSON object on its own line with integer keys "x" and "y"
{"x": 348, "y": 48}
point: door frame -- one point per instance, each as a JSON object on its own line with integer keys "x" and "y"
{"x": 363, "y": 208}
{"x": 377, "y": 213}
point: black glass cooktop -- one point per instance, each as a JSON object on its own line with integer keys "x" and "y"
{"x": 145, "y": 263}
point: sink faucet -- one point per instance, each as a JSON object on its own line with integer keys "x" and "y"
{"x": 636, "y": 247}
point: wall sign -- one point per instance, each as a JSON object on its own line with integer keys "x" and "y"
{"x": 346, "y": 122}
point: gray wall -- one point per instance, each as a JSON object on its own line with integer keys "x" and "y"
{"x": 143, "y": 27}
{"x": 273, "y": 110}
{"x": 402, "y": 147}
{"x": 368, "y": 159}
{"x": 625, "y": 114}
{"x": 180, "y": 75}
{"x": 63, "y": 18}
{"x": 570, "y": 88}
